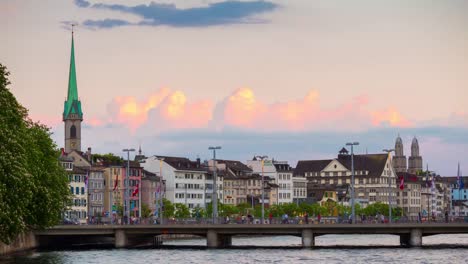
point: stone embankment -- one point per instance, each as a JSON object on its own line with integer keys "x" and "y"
{"x": 23, "y": 242}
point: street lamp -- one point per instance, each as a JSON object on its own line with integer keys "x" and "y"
{"x": 161, "y": 216}
{"x": 127, "y": 196}
{"x": 389, "y": 188}
{"x": 215, "y": 189}
{"x": 262, "y": 158}
{"x": 353, "y": 216}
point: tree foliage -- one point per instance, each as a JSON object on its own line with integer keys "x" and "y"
{"x": 109, "y": 158}
{"x": 181, "y": 211}
{"x": 168, "y": 208}
{"x": 33, "y": 186}
{"x": 145, "y": 211}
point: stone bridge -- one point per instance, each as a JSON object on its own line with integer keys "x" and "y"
{"x": 220, "y": 236}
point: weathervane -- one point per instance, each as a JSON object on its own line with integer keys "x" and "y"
{"x": 72, "y": 25}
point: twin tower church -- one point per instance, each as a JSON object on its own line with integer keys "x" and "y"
{"x": 414, "y": 161}
{"x": 73, "y": 116}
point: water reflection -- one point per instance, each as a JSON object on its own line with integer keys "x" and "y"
{"x": 350, "y": 249}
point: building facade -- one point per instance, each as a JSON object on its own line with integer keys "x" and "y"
{"x": 96, "y": 193}
{"x": 185, "y": 180}
{"x": 374, "y": 181}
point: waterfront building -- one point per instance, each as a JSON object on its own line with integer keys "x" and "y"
{"x": 281, "y": 174}
{"x": 435, "y": 195}
{"x": 151, "y": 191}
{"x": 115, "y": 189}
{"x": 458, "y": 196}
{"x": 284, "y": 179}
{"x": 96, "y": 193}
{"x": 299, "y": 189}
{"x": 238, "y": 182}
{"x": 375, "y": 178}
{"x": 409, "y": 198}
{"x": 185, "y": 180}
{"x": 77, "y": 211}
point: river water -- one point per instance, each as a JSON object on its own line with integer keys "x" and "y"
{"x": 329, "y": 249}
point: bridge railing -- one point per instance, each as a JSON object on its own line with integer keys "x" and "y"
{"x": 240, "y": 220}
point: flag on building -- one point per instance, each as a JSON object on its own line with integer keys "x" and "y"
{"x": 460, "y": 179}
{"x": 86, "y": 180}
{"x": 135, "y": 191}
{"x": 402, "y": 183}
{"x": 432, "y": 184}
{"x": 116, "y": 182}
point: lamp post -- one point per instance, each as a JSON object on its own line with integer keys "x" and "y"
{"x": 127, "y": 196}
{"x": 262, "y": 158}
{"x": 353, "y": 216}
{"x": 160, "y": 198}
{"x": 215, "y": 189}
{"x": 389, "y": 187}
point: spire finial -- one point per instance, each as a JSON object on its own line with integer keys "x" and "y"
{"x": 72, "y": 26}
{"x": 139, "y": 150}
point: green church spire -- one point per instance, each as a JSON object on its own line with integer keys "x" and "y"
{"x": 72, "y": 105}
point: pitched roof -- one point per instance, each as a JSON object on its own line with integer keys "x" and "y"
{"x": 304, "y": 166}
{"x": 235, "y": 165}
{"x": 373, "y": 163}
{"x": 180, "y": 163}
{"x": 283, "y": 167}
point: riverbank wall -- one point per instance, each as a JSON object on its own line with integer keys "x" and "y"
{"x": 23, "y": 242}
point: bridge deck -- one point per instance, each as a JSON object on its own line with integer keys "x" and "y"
{"x": 256, "y": 229}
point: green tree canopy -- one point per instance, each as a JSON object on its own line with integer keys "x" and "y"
{"x": 31, "y": 177}
{"x": 181, "y": 211}
{"x": 168, "y": 208}
{"x": 145, "y": 211}
{"x": 110, "y": 158}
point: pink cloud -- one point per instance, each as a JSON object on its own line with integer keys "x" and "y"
{"x": 389, "y": 116}
{"x": 166, "y": 109}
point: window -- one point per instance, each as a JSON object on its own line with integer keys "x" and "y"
{"x": 77, "y": 190}
{"x": 71, "y": 190}
{"x": 82, "y": 190}
{"x": 73, "y": 131}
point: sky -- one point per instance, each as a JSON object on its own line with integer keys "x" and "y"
{"x": 294, "y": 80}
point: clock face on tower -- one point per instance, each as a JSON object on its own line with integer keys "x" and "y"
{"x": 72, "y": 144}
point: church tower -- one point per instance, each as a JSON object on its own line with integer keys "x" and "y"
{"x": 414, "y": 161}
{"x": 72, "y": 114}
{"x": 399, "y": 160}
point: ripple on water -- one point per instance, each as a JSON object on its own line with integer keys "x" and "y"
{"x": 387, "y": 252}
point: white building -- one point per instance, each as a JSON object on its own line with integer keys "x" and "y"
{"x": 76, "y": 178}
{"x": 282, "y": 174}
{"x": 185, "y": 180}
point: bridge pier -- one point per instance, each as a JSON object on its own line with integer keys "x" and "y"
{"x": 215, "y": 240}
{"x": 416, "y": 238}
{"x": 308, "y": 239}
{"x": 413, "y": 239}
{"x": 121, "y": 239}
